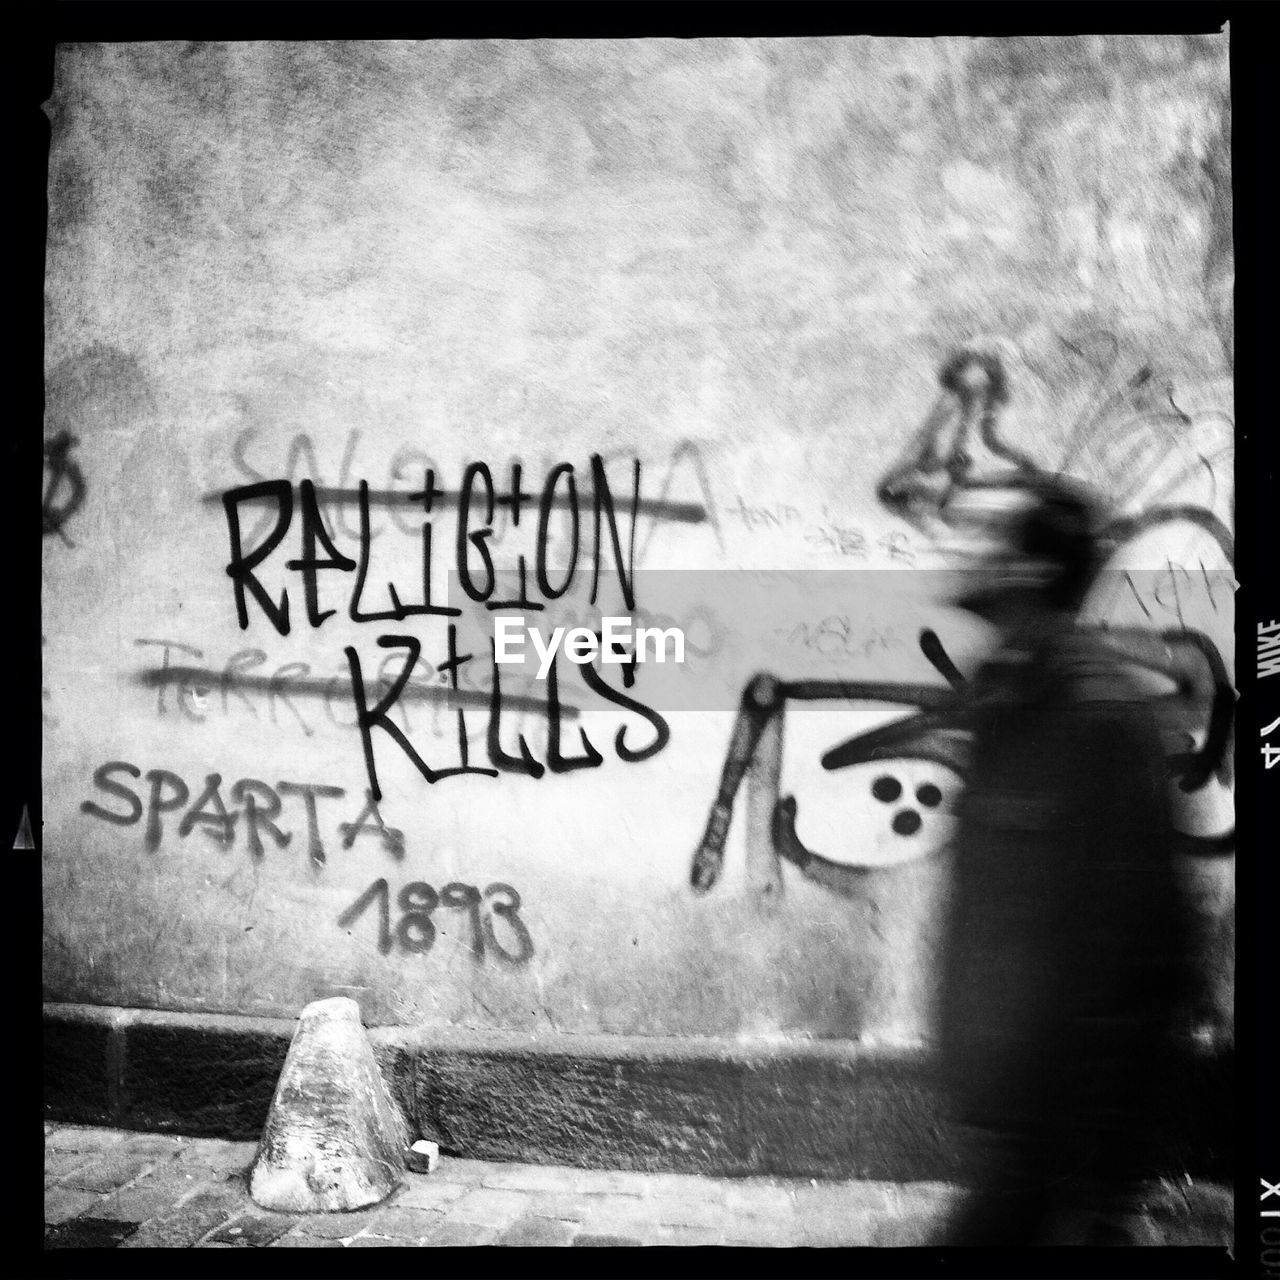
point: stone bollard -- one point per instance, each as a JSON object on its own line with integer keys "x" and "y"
{"x": 334, "y": 1139}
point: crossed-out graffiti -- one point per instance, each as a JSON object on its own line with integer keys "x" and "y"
{"x": 960, "y": 446}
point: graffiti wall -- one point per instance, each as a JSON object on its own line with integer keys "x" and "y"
{"x": 355, "y": 349}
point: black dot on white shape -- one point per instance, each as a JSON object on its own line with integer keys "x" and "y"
{"x": 886, "y": 788}
{"x": 906, "y": 822}
{"x": 929, "y": 795}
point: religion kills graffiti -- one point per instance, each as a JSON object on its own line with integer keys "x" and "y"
{"x": 476, "y": 502}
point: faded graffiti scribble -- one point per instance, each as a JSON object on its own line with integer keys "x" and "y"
{"x": 100, "y": 388}
{"x": 64, "y": 486}
{"x": 412, "y": 465}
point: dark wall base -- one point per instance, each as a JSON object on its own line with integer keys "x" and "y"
{"x": 803, "y": 1109}
{"x": 205, "y": 1075}
{"x": 705, "y": 1106}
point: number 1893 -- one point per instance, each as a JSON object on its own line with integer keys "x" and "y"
{"x": 415, "y": 931}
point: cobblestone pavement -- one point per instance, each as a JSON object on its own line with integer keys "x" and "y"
{"x": 109, "y": 1188}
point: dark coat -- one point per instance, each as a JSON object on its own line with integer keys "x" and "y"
{"x": 1066, "y": 937}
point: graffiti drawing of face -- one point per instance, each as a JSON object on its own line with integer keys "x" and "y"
{"x": 1148, "y": 480}
{"x": 1155, "y": 472}
{"x": 1148, "y": 493}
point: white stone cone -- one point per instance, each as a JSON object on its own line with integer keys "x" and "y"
{"x": 334, "y": 1140}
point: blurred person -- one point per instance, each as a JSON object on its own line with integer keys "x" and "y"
{"x": 1065, "y": 940}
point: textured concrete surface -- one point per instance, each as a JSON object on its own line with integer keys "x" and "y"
{"x": 738, "y": 261}
{"x": 821, "y": 1108}
{"x": 108, "y": 1188}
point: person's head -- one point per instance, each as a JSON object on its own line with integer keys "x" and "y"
{"x": 1034, "y": 547}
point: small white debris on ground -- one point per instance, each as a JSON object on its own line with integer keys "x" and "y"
{"x": 423, "y": 1156}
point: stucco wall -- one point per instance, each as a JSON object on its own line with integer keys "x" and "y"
{"x": 739, "y": 262}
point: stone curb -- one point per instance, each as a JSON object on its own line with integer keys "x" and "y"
{"x": 800, "y": 1109}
